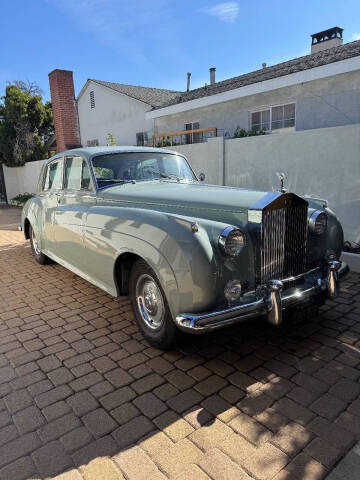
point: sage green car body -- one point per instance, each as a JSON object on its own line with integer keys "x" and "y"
{"x": 97, "y": 234}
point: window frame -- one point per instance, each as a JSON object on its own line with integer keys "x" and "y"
{"x": 91, "y": 184}
{"x": 49, "y": 190}
{"x": 191, "y": 134}
{"x": 270, "y": 107}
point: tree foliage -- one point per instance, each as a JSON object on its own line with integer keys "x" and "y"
{"x": 26, "y": 124}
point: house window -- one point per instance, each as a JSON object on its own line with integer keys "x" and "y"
{"x": 144, "y": 139}
{"x": 260, "y": 120}
{"x": 92, "y": 99}
{"x": 193, "y": 137}
{"x": 274, "y": 118}
{"x": 93, "y": 143}
{"x": 283, "y": 116}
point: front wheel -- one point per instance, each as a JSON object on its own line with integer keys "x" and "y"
{"x": 38, "y": 255}
{"x": 151, "y": 310}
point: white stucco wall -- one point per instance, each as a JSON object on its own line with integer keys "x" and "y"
{"x": 323, "y": 162}
{"x": 114, "y": 113}
{"x": 22, "y": 179}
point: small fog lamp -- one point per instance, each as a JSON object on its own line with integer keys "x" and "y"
{"x": 330, "y": 255}
{"x": 232, "y": 290}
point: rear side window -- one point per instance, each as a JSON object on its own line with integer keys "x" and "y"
{"x": 54, "y": 176}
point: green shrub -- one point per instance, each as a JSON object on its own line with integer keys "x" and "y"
{"x": 21, "y": 199}
{"x": 240, "y": 133}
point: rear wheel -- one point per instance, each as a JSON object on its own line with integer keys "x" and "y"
{"x": 39, "y": 256}
{"x": 151, "y": 310}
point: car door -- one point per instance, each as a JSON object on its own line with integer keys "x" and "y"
{"x": 77, "y": 196}
{"x": 50, "y": 196}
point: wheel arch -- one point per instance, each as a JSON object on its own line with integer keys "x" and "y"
{"x": 27, "y": 228}
{"x": 122, "y": 269}
{"x": 162, "y": 269}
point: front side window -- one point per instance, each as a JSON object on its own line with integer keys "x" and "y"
{"x": 73, "y": 171}
{"x": 77, "y": 174}
{"x": 54, "y": 176}
{"x": 140, "y": 166}
{"x": 273, "y": 118}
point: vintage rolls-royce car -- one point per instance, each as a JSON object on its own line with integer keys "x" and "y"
{"x": 194, "y": 257}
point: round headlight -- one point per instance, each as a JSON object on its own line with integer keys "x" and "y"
{"x": 318, "y": 222}
{"x": 232, "y": 241}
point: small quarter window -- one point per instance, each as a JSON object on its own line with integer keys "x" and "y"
{"x": 85, "y": 177}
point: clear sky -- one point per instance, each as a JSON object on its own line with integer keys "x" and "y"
{"x": 155, "y": 42}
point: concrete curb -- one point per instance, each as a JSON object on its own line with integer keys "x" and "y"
{"x": 353, "y": 260}
{"x": 349, "y": 467}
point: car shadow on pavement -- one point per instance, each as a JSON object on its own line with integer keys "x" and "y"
{"x": 83, "y": 395}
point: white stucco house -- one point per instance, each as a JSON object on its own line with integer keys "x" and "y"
{"x": 318, "y": 90}
{"x": 118, "y": 109}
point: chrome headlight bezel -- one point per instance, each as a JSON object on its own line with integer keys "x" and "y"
{"x": 226, "y": 236}
{"x": 318, "y": 222}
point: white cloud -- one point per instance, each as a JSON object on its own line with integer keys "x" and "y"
{"x": 135, "y": 28}
{"x": 355, "y": 36}
{"x": 226, "y": 12}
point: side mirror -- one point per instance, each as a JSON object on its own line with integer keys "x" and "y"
{"x": 201, "y": 176}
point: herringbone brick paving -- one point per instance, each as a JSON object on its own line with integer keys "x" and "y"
{"x": 83, "y": 396}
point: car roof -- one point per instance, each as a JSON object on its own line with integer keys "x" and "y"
{"x": 91, "y": 151}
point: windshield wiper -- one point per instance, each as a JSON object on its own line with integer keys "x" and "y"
{"x": 169, "y": 176}
{"x": 114, "y": 180}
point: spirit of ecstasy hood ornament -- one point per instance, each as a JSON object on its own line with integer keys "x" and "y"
{"x": 281, "y": 176}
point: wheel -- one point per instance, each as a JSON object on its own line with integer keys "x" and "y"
{"x": 39, "y": 257}
{"x": 151, "y": 310}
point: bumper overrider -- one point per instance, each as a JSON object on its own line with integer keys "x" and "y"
{"x": 272, "y": 302}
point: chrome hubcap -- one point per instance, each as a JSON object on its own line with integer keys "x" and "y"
{"x": 150, "y": 301}
{"x": 35, "y": 243}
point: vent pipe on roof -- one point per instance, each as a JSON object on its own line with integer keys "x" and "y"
{"x": 212, "y": 75}
{"x": 188, "y": 81}
{"x": 263, "y": 65}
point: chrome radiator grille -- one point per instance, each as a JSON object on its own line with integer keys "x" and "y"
{"x": 283, "y": 241}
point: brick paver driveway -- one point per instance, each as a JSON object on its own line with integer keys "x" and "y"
{"x": 82, "y": 395}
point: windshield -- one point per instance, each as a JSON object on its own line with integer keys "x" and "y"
{"x": 140, "y": 166}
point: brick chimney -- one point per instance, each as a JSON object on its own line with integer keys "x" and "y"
{"x": 333, "y": 37}
{"x": 64, "y": 110}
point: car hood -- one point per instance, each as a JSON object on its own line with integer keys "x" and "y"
{"x": 183, "y": 195}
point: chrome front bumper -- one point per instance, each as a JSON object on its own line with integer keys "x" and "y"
{"x": 272, "y": 302}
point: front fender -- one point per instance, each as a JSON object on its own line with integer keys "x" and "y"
{"x": 182, "y": 259}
